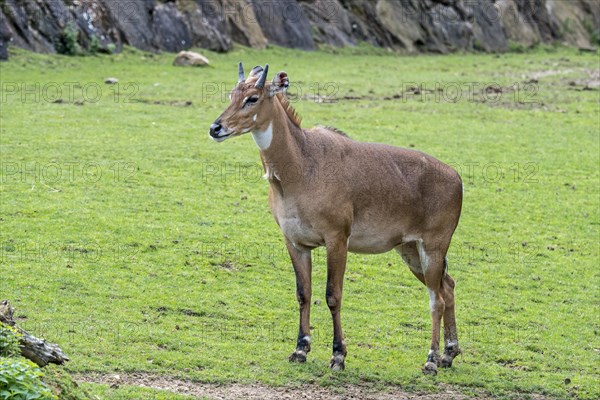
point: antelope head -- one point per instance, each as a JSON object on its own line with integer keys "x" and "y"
{"x": 252, "y": 102}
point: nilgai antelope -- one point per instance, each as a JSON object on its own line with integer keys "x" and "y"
{"x": 326, "y": 189}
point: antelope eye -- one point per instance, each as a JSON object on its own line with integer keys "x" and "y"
{"x": 250, "y": 100}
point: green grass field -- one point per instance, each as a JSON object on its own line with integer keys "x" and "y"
{"x": 138, "y": 244}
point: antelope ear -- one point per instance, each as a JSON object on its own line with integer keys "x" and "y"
{"x": 279, "y": 84}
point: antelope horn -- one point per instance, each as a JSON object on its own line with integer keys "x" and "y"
{"x": 241, "y": 77}
{"x": 263, "y": 78}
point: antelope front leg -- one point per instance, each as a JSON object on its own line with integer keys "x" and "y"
{"x": 336, "y": 266}
{"x": 301, "y": 259}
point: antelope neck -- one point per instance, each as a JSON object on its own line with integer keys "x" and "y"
{"x": 280, "y": 144}
{"x": 264, "y": 138}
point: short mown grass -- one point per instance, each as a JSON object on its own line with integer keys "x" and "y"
{"x": 138, "y": 244}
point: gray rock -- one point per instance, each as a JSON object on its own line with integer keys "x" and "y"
{"x": 448, "y": 28}
{"x": 243, "y": 24}
{"x": 132, "y": 20}
{"x": 5, "y": 37}
{"x": 207, "y": 24}
{"x": 403, "y": 21}
{"x": 370, "y": 26}
{"x": 171, "y": 33}
{"x": 190, "y": 58}
{"x": 412, "y": 25}
{"x": 35, "y": 26}
{"x": 284, "y": 23}
{"x": 332, "y": 23}
{"x": 487, "y": 28}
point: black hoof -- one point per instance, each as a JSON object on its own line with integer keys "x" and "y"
{"x": 430, "y": 368}
{"x": 298, "y": 356}
{"x": 446, "y": 362}
{"x": 449, "y": 353}
{"x": 337, "y": 363}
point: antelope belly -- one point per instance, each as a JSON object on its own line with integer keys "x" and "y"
{"x": 368, "y": 239}
{"x": 370, "y": 245}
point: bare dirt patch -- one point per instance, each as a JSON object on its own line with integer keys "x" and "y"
{"x": 258, "y": 391}
{"x": 591, "y": 81}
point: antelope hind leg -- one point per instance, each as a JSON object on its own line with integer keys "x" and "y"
{"x": 433, "y": 265}
{"x": 451, "y": 348}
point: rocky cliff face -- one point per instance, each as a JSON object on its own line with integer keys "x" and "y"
{"x": 440, "y": 26}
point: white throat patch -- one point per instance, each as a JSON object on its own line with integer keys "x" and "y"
{"x": 263, "y": 138}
